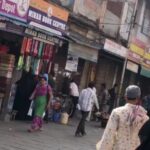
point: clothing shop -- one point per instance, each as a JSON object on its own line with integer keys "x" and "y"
{"x": 12, "y": 25}
{"x": 45, "y": 25}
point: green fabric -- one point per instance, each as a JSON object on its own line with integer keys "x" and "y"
{"x": 40, "y": 104}
{"x": 40, "y": 49}
{"x": 145, "y": 72}
{"x": 20, "y": 63}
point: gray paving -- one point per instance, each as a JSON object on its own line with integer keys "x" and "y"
{"x": 14, "y": 136}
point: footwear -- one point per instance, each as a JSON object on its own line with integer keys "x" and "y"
{"x": 84, "y": 134}
{"x": 30, "y": 130}
{"x": 78, "y": 135}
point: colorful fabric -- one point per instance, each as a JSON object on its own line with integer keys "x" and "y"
{"x": 41, "y": 45}
{"x": 36, "y": 66}
{"x": 37, "y": 122}
{"x": 32, "y": 47}
{"x": 42, "y": 90}
{"x": 35, "y": 50}
{"x": 28, "y": 63}
{"x": 20, "y": 63}
{"x": 24, "y": 44}
{"x": 40, "y": 105}
{"x": 28, "y": 46}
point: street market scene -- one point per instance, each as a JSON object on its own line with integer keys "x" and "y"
{"x": 74, "y": 74}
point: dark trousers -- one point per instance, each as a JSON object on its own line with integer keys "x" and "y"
{"x": 75, "y": 102}
{"x": 81, "y": 126}
{"x": 111, "y": 106}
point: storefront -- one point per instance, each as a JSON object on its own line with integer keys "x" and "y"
{"x": 44, "y": 25}
{"x": 145, "y": 72}
{"x": 110, "y": 64}
{"x": 138, "y": 56}
{"x": 12, "y": 25}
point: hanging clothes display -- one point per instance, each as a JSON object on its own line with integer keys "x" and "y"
{"x": 35, "y": 50}
{"x": 41, "y": 46}
{"x": 24, "y": 45}
{"x": 28, "y": 46}
{"x": 36, "y": 54}
{"x": 36, "y": 66}
{"x": 20, "y": 62}
{"x": 28, "y": 63}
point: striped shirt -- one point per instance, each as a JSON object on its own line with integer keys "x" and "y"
{"x": 87, "y": 98}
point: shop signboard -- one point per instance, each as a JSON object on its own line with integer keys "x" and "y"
{"x": 132, "y": 67}
{"x": 137, "y": 49}
{"x": 47, "y": 17}
{"x": 146, "y": 58}
{"x": 72, "y": 63}
{"x": 40, "y": 35}
{"x": 115, "y": 48}
{"x": 16, "y": 9}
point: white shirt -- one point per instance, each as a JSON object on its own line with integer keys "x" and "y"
{"x": 74, "y": 91}
{"x": 123, "y": 127}
{"x": 87, "y": 98}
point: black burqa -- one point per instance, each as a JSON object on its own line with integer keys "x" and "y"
{"x": 25, "y": 87}
{"x": 144, "y": 135}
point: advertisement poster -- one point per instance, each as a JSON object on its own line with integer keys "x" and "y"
{"x": 72, "y": 63}
{"x": 47, "y": 17}
{"x": 137, "y": 49}
{"x": 16, "y": 9}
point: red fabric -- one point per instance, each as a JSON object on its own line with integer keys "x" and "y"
{"x": 24, "y": 44}
{"x": 28, "y": 46}
{"x": 35, "y": 50}
{"x": 48, "y": 52}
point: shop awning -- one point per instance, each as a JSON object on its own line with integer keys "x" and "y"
{"x": 83, "y": 52}
{"x": 145, "y": 72}
{"x": 13, "y": 21}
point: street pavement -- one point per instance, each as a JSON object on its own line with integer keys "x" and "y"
{"x": 14, "y": 136}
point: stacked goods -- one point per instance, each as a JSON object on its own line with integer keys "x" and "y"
{"x": 6, "y": 69}
{"x": 6, "y": 65}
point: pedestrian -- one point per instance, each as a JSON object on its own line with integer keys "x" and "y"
{"x": 93, "y": 106}
{"x": 113, "y": 97}
{"x": 74, "y": 93}
{"x": 86, "y": 100}
{"x": 144, "y": 136}
{"x": 104, "y": 98}
{"x": 121, "y": 132}
{"x": 41, "y": 97}
{"x": 146, "y": 103}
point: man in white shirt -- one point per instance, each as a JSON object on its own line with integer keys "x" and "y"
{"x": 122, "y": 129}
{"x": 74, "y": 93}
{"x": 86, "y": 100}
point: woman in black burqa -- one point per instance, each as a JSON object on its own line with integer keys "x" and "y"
{"x": 25, "y": 87}
{"x": 144, "y": 135}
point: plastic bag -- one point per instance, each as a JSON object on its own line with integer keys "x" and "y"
{"x": 30, "y": 112}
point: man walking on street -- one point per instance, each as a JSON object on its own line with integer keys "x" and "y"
{"x": 122, "y": 129}
{"x": 86, "y": 100}
{"x": 74, "y": 93}
{"x": 113, "y": 97}
{"x": 104, "y": 98}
